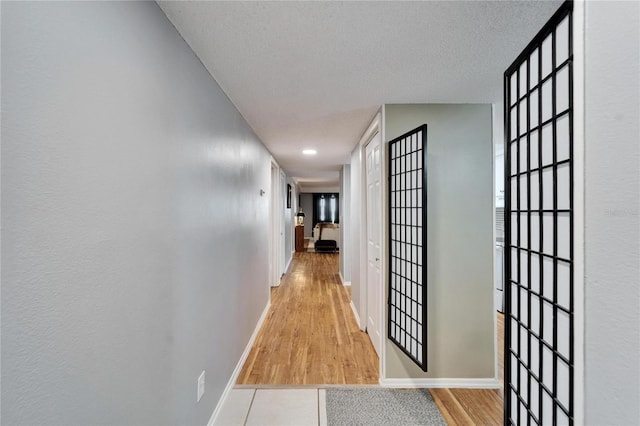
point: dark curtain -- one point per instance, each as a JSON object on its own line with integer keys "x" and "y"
{"x": 326, "y": 207}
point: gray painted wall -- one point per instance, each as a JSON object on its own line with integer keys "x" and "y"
{"x": 133, "y": 233}
{"x": 306, "y": 202}
{"x": 460, "y": 240}
{"x": 612, "y": 219}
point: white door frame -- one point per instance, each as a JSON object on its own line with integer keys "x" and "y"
{"x": 374, "y": 128}
{"x": 282, "y": 183}
{"x": 276, "y": 217}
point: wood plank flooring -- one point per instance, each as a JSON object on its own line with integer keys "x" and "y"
{"x": 310, "y": 335}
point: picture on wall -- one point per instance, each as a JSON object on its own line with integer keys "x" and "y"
{"x": 288, "y": 196}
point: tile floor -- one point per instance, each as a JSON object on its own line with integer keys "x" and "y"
{"x": 274, "y": 407}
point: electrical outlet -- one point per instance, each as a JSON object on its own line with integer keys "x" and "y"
{"x": 201, "y": 385}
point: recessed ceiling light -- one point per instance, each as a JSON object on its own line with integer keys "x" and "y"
{"x": 309, "y": 152}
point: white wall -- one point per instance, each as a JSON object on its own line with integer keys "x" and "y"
{"x": 356, "y": 254}
{"x": 133, "y": 232}
{"x": 612, "y": 218}
{"x": 459, "y": 240}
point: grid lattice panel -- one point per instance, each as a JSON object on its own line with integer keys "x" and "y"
{"x": 539, "y": 314}
{"x": 408, "y": 213}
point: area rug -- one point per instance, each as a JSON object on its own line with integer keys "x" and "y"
{"x": 309, "y": 246}
{"x": 378, "y": 406}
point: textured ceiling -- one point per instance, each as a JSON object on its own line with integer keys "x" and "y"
{"x": 313, "y": 74}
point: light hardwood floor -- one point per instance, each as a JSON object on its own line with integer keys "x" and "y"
{"x": 310, "y": 337}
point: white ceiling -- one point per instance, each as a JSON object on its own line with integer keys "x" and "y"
{"x": 313, "y": 74}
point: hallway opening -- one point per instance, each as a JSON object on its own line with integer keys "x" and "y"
{"x": 310, "y": 335}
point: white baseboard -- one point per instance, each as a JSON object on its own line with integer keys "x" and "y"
{"x": 355, "y": 314}
{"x": 441, "y": 383}
{"x": 347, "y": 283}
{"x": 286, "y": 268}
{"x": 236, "y": 372}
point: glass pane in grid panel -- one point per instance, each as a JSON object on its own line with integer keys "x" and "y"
{"x": 523, "y": 154}
{"x": 514, "y": 406}
{"x": 562, "y": 138}
{"x": 562, "y": 41}
{"x": 564, "y": 285}
{"x": 563, "y": 333}
{"x": 524, "y": 340}
{"x": 533, "y": 69}
{"x": 513, "y": 158}
{"x": 534, "y": 183}
{"x": 561, "y": 417}
{"x": 523, "y": 410}
{"x": 524, "y": 279}
{"x": 563, "y": 383}
{"x": 547, "y": 326}
{"x": 535, "y": 273}
{"x": 514, "y": 194}
{"x": 513, "y": 88}
{"x": 564, "y": 196}
{"x": 546, "y": 101}
{"x": 514, "y": 301}
{"x": 534, "y": 244}
{"x": 524, "y": 114}
{"x": 547, "y": 408}
{"x": 535, "y": 354}
{"x": 562, "y": 90}
{"x": 514, "y": 334}
{"x": 547, "y": 233}
{"x": 524, "y": 374}
{"x": 514, "y": 262}
{"x": 535, "y": 314}
{"x": 564, "y": 236}
{"x": 547, "y": 189}
{"x": 514, "y": 123}
{"x": 533, "y": 150}
{"x": 524, "y": 203}
{"x": 534, "y": 113}
{"x": 524, "y": 231}
{"x": 522, "y": 74}
{"x": 547, "y": 367}
{"x": 534, "y": 405}
{"x": 514, "y": 364}
{"x": 524, "y": 307}
{"x": 546, "y": 56}
{"x": 547, "y": 277}
{"x": 514, "y": 229}
{"x": 547, "y": 144}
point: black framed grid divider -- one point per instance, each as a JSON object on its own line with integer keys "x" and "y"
{"x": 539, "y": 264}
{"x": 407, "y": 326}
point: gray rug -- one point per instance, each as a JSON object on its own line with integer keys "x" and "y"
{"x": 373, "y": 406}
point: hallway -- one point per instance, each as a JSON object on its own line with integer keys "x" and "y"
{"x": 310, "y": 335}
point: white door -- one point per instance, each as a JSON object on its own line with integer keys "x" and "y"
{"x": 373, "y": 172}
